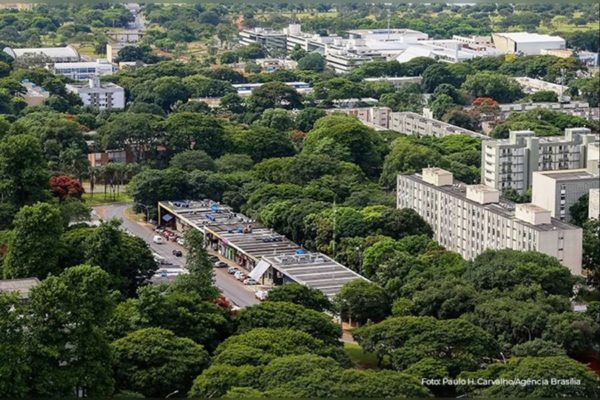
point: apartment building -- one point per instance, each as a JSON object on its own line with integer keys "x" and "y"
{"x": 103, "y": 96}
{"x": 377, "y": 117}
{"x": 576, "y": 108}
{"x": 269, "y": 38}
{"x": 415, "y": 124}
{"x": 531, "y": 85}
{"x": 594, "y": 207}
{"x": 470, "y": 219}
{"x": 558, "y": 191}
{"x": 510, "y": 163}
{"x": 82, "y": 71}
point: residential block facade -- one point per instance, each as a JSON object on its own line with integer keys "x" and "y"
{"x": 510, "y": 163}
{"x": 470, "y": 219}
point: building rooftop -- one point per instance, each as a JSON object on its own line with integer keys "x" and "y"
{"x": 52, "y": 52}
{"x": 568, "y": 174}
{"x": 530, "y": 37}
{"x": 315, "y": 270}
{"x": 504, "y": 207}
{"x": 81, "y": 64}
{"x": 20, "y": 286}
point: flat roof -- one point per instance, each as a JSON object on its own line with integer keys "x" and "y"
{"x": 504, "y": 208}
{"x": 315, "y": 270}
{"x": 52, "y": 52}
{"x": 569, "y": 174}
{"x": 530, "y": 37}
{"x": 20, "y": 286}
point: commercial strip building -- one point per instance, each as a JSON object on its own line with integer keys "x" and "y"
{"x": 526, "y": 43}
{"x": 470, "y": 219}
{"x": 268, "y": 257}
{"x": 99, "y": 95}
{"x": 81, "y": 71}
{"x": 416, "y": 124}
{"x": 47, "y": 54}
{"x": 510, "y": 163}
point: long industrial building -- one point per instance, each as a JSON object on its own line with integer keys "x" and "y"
{"x": 269, "y": 258}
{"x": 470, "y": 219}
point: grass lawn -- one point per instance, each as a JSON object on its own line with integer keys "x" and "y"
{"x": 360, "y": 358}
{"x": 98, "y": 199}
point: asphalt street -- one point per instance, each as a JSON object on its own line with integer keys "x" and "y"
{"x": 232, "y": 289}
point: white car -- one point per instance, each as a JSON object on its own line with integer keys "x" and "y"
{"x": 250, "y": 281}
{"x": 261, "y": 294}
{"x": 180, "y": 242}
{"x": 158, "y": 239}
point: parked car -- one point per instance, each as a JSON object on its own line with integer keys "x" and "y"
{"x": 177, "y": 253}
{"x": 233, "y": 270}
{"x": 250, "y": 281}
{"x": 214, "y": 259}
{"x": 261, "y": 294}
{"x": 158, "y": 239}
{"x": 220, "y": 264}
{"x": 240, "y": 276}
{"x": 180, "y": 241}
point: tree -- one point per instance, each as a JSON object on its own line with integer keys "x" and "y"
{"x": 274, "y": 95}
{"x": 538, "y": 348}
{"x": 579, "y": 210}
{"x": 437, "y": 74}
{"x": 200, "y": 279}
{"x": 276, "y": 118}
{"x": 280, "y": 370}
{"x": 363, "y": 146}
{"x": 217, "y": 380}
{"x": 259, "y": 143}
{"x": 66, "y": 188}
{"x": 301, "y": 295}
{"x": 164, "y": 91}
{"x": 14, "y": 362}
{"x": 297, "y": 53}
{"x": 544, "y": 96}
{"x": 312, "y": 62}
{"x": 460, "y": 345}
{"x": 591, "y": 250}
{"x": 440, "y": 105}
{"x": 444, "y": 299}
{"x": 491, "y": 84}
{"x": 137, "y": 131}
{"x": 193, "y": 159}
{"x": 558, "y": 368}
{"x": 232, "y": 103}
{"x": 273, "y": 314}
{"x": 307, "y": 118}
{"x": 367, "y": 384}
{"x": 361, "y": 301}
{"x": 461, "y": 118}
{"x": 504, "y": 269}
{"x": 155, "y": 362}
{"x": 23, "y": 174}
{"x": 126, "y": 258}
{"x": 407, "y": 157}
{"x": 69, "y": 349}
{"x": 575, "y": 333}
{"x": 34, "y": 247}
{"x": 202, "y": 86}
{"x": 234, "y": 162}
{"x": 187, "y": 131}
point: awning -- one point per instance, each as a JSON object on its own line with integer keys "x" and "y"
{"x": 167, "y": 217}
{"x": 259, "y": 270}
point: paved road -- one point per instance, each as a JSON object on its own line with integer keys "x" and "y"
{"x": 229, "y": 286}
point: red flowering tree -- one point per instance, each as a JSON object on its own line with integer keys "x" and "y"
{"x": 65, "y": 188}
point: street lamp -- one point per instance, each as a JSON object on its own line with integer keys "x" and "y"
{"x": 171, "y": 394}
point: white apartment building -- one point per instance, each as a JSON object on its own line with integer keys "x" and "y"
{"x": 594, "y": 207}
{"x": 266, "y": 37}
{"x": 82, "y": 71}
{"x": 557, "y": 191}
{"x": 415, "y": 124}
{"x": 531, "y": 85}
{"x": 245, "y": 89}
{"x": 576, "y": 108}
{"x": 398, "y": 81}
{"x": 103, "y": 96}
{"x": 526, "y": 43}
{"x": 470, "y": 219}
{"x": 509, "y": 163}
{"x": 376, "y": 117}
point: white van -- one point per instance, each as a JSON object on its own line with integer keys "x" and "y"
{"x": 158, "y": 239}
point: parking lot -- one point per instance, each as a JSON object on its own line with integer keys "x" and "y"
{"x": 235, "y": 291}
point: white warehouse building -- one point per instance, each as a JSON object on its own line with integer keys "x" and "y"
{"x": 526, "y": 43}
{"x": 84, "y": 70}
